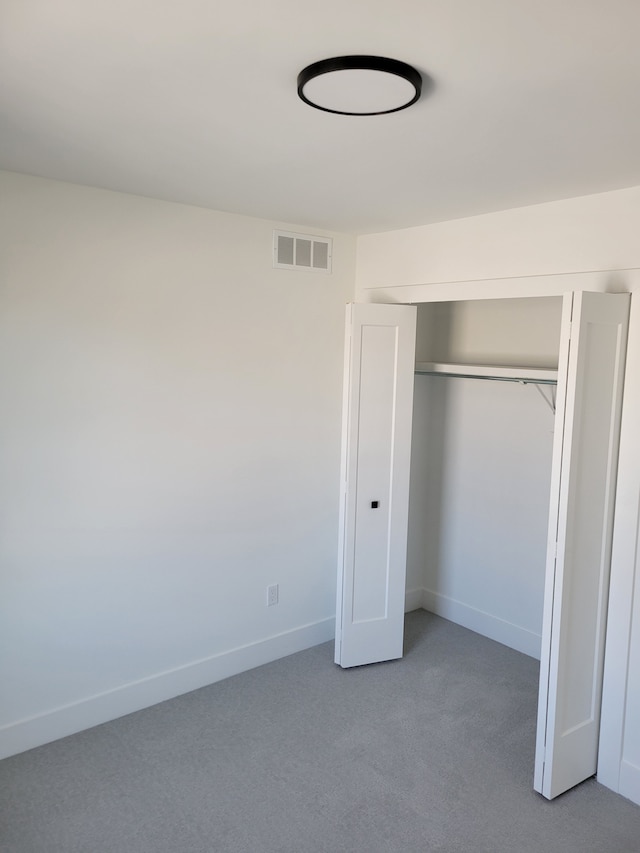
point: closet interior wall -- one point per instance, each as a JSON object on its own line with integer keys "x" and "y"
{"x": 480, "y": 469}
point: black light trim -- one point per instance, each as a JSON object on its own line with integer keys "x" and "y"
{"x": 360, "y": 63}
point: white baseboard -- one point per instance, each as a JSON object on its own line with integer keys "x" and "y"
{"x": 103, "y": 707}
{"x": 483, "y": 623}
{"x": 630, "y": 781}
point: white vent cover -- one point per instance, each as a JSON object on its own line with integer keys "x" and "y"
{"x": 301, "y": 252}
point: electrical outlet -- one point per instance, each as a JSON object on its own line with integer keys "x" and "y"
{"x": 272, "y": 595}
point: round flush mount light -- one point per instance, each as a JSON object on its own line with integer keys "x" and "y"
{"x": 359, "y": 85}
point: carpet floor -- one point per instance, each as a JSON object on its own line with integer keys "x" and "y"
{"x": 430, "y": 754}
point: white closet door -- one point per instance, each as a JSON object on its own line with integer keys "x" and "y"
{"x": 377, "y": 412}
{"x": 591, "y": 368}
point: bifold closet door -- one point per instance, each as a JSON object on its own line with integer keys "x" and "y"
{"x": 376, "y": 450}
{"x": 590, "y": 377}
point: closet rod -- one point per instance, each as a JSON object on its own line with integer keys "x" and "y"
{"x": 522, "y": 381}
{"x": 526, "y": 376}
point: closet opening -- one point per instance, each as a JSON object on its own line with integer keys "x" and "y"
{"x": 506, "y": 526}
{"x": 481, "y": 457}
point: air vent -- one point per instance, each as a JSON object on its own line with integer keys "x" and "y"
{"x": 301, "y": 252}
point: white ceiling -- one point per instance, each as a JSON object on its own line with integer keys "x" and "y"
{"x": 195, "y": 101}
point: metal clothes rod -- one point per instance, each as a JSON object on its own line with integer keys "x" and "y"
{"x": 534, "y": 376}
{"x": 521, "y": 380}
{"x": 526, "y": 375}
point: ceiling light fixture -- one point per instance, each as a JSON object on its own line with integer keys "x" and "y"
{"x": 359, "y": 85}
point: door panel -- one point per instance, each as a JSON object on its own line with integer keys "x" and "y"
{"x": 581, "y": 514}
{"x": 378, "y": 407}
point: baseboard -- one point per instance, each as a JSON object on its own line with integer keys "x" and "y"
{"x": 483, "y": 623}
{"x": 630, "y": 781}
{"x": 103, "y": 707}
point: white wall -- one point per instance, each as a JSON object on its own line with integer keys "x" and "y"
{"x": 485, "y": 523}
{"x": 590, "y": 233}
{"x": 170, "y": 446}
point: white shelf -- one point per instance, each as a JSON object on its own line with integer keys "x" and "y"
{"x": 540, "y": 376}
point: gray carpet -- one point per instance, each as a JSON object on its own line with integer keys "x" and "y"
{"x": 431, "y": 753}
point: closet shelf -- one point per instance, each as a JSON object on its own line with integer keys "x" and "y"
{"x": 537, "y": 375}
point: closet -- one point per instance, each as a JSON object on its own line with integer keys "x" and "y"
{"x": 483, "y": 422}
{"x": 589, "y": 335}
